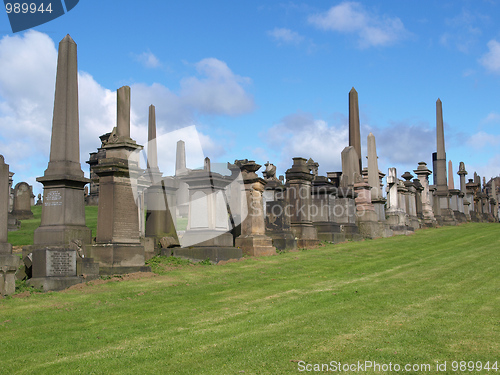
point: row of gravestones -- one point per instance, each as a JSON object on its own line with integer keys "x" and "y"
{"x": 226, "y": 214}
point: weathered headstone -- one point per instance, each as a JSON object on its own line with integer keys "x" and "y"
{"x": 118, "y": 247}
{"x": 298, "y": 193}
{"x": 378, "y": 199}
{"x": 63, "y": 210}
{"x": 22, "y": 201}
{"x": 9, "y": 263}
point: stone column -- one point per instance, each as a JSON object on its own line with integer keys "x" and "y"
{"x": 423, "y": 173}
{"x": 378, "y": 199}
{"x": 463, "y": 188}
{"x": 62, "y": 234}
{"x": 118, "y": 246}
{"x": 354, "y": 131}
{"x": 253, "y": 240}
{"x": 493, "y": 200}
{"x": 410, "y": 200}
{"x": 323, "y": 202}
{"x": 442, "y": 210}
{"x": 298, "y": 191}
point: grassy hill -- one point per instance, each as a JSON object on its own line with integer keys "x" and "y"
{"x": 429, "y": 298}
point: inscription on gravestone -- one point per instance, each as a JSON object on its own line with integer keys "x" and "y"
{"x": 53, "y": 198}
{"x": 61, "y": 263}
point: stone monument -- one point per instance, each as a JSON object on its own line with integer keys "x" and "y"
{"x": 354, "y": 131}
{"x": 463, "y": 188}
{"x": 54, "y": 257}
{"x": 253, "y": 240}
{"x": 422, "y": 172}
{"x": 118, "y": 247}
{"x": 22, "y": 201}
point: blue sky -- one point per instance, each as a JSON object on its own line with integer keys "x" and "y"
{"x": 265, "y": 80}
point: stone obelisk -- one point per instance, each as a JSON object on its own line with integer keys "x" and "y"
{"x": 442, "y": 211}
{"x": 63, "y": 210}
{"x": 354, "y": 132}
{"x": 451, "y": 182}
{"x": 62, "y": 229}
{"x": 159, "y": 219}
{"x": 181, "y": 170}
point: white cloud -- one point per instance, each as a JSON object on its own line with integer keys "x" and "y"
{"x": 286, "y": 36}
{"x": 219, "y": 92}
{"x": 482, "y": 139}
{"x": 492, "y": 117}
{"x": 301, "y": 135}
{"x": 491, "y": 59}
{"x": 462, "y": 30}
{"x": 148, "y": 59}
{"x": 27, "y": 82}
{"x": 371, "y": 29}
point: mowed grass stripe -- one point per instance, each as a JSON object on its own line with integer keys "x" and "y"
{"x": 432, "y": 296}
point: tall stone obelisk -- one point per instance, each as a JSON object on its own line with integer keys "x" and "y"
{"x": 181, "y": 170}
{"x": 354, "y": 132}
{"x": 63, "y": 210}
{"x": 442, "y": 211}
{"x": 62, "y": 229}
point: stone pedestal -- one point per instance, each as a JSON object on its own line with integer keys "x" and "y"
{"x": 298, "y": 194}
{"x": 253, "y": 240}
{"x": 367, "y": 218}
{"x": 278, "y": 225}
{"x": 207, "y": 234}
{"x": 422, "y": 172}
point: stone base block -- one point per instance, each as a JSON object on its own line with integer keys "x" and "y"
{"x": 215, "y": 254}
{"x": 446, "y": 218}
{"x": 150, "y": 250}
{"x": 62, "y": 234}
{"x": 460, "y": 216}
{"x": 332, "y": 237}
{"x": 12, "y": 223}
{"x": 206, "y": 238}
{"x": 329, "y": 232}
{"x": 399, "y": 230}
{"x": 370, "y": 229}
{"x": 306, "y": 235}
{"x": 54, "y": 283}
{"x": 396, "y": 218}
{"x": 256, "y": 245}
{"x": 118, "y": 258}
{"x": 351, "y": 232}
{"x": 23, "y": 215}
{"x": 283, "y": 240}
{"x": 87, "y": 268}
{"x": 9, "y": 264}
{"x": 5, "y": 248}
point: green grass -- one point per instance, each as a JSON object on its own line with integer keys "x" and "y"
{"x": 428, "y": 298}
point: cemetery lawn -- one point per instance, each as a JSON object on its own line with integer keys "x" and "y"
{"x": 427, "y": 298}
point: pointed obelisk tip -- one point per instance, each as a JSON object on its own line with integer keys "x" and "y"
{"x": 68, "y": 39}
{"x": 370, "y": 135}
{"x": 438, "y": 101}
{"x": 353, "y": 90}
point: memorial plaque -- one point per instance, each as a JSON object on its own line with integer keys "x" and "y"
{"x": 61, "y": 263}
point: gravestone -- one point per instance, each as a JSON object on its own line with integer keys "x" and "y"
{"x": 354, "y": 131}
{"x": 118, "y": 247}
{"x": 207, "y": 234}
{"x": 374, "y": 178}
{"x": 298, "y": 195}
{"x": 9, "y": 263}
{"x": 253, "y": 240}
{"x": 345, "y": 206}
{"x": 22, "y": 202}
